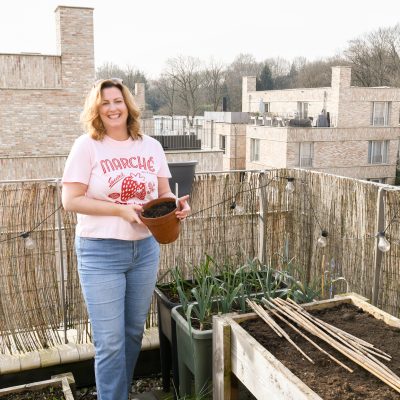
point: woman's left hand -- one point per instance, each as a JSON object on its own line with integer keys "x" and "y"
{"x": 183, "y": 208}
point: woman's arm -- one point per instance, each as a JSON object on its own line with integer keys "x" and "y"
{"x": 164, "y": 190}
{"x": 74, "y": 199}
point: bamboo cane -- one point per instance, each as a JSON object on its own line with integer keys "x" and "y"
{"x": 370, "y": 348}
{"x": 388, "y": 377}
{"x": 323, "y": 276}
{"x": 349, "y": 344}
{"x": 263, "y": 314}
{"x": 270, "y": 305}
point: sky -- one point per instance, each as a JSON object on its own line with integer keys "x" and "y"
{"x": 145, "y": 33}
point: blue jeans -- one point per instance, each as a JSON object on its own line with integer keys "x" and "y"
{"x": 117, "y": 279}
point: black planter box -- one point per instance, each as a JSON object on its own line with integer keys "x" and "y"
{"x": 182, "y": 174}
{"x": 167, "y": 337}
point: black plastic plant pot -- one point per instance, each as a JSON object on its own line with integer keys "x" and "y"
{"x": 183, "y": 175}
{"x": 167, "y": 337}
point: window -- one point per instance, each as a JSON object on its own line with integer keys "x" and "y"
{"x": 306, "y": 153}
{"x": 378, "y": 151}
{"x": 222, "y": 142}
{"x": 254, "y": 149}
{"x": 377, "y": 180}
{"x": 267, "y": 107}
{"x": 302, "y": 110}
{"x": 380, "y": 113}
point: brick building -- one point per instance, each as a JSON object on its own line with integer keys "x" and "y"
{"x": 41, "y": 96}
{"x": 353, "y": 131}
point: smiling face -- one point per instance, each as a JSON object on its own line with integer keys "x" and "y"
{"x": 113, "y": 111}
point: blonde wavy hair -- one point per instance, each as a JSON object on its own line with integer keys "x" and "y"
{"x": 90, "y": 116}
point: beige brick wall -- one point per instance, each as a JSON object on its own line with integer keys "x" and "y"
{"x": 248, "y": 88}
{"x": 235, "y": 144}
{"x": 41, "y": 96}
{"x": 337, "y": 151}
{"x": 273, "y": 147}
{"x": 356, "y": 105}
{"x": 140, "y": 96}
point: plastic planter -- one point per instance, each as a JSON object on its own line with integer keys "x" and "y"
{"x": 167, "y": 337}
{"x": 183, "y": 175}
{"x": 194, "y": 355}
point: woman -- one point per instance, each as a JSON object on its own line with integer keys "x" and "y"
{"x": 110, "y": 173}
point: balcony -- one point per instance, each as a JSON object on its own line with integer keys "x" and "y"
{"x": 41, "y": 302}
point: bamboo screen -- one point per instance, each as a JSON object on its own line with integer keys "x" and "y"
{"x": 30, "y": 304}
{"x": 216, "y": 228}
{"x": 39, "y": 303}
{"x": 389, "y": 288}
{"x": 346, "y": 209}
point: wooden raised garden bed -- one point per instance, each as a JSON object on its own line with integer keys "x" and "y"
{"x": 276, "y": 370}
{"x": 56, "y": 388}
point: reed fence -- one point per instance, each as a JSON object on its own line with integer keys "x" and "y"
{"x": 236, "y": 217}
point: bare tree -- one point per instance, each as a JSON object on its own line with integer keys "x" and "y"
{"x": 243, "y": 65}
{"x": 278, "y": 66}
{"x": 186, "y": 74}
{"x": 316, "y": 73}
{"x": 375, "y": 57}
{"x": 167, "y": 87}
{"x": 214, "y": 80}
{"x": 130, "y": 75}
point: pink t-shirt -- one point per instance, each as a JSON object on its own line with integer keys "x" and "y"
{"x": 122, "y": 172}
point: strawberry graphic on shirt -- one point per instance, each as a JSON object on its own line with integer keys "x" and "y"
{"x": 131, "y": 188}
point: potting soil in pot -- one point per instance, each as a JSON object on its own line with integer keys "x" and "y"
{"x": 329, "y": 380}
{"x": 158, "y": 210}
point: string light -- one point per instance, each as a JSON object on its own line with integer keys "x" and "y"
{"x": 29, "y": 242}
{"x": 236, "y": 208}
{"x": 383, "y": 243}
{"x": 290, "y": 185}
{"x": 26, "y": 235}
{"x": 322, "y": 241}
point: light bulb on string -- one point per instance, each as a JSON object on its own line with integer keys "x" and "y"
{"x": 322, "y": 241}
{"x": 236, "y": 208}
{"x": 29, "y": 242}
{"x": 239, "y": 209}
{"x": 383, "y": 243}
{"x": 289, "y": 188}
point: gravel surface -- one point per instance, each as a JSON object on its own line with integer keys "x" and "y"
{"x": 140, "y": 385}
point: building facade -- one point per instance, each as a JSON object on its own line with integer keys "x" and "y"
{"x": 342, "y": 129}
{"x": 41, "y": 96}
{"x": 226, "y": 132}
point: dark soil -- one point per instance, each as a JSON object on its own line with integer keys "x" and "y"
{"x": 48, "y": 393}
{"x": 325, "y": 377}
{"x": 160, "y": 209}
{"x": 171, "y": 293}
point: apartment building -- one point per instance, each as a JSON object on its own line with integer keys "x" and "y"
{"x": 341, "y": 129}
{"x": 226, "y": 132}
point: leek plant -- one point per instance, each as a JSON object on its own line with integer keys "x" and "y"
{"x": 228, "y": 291}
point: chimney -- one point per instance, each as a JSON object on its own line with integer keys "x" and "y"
{"x": 341, "y": 77}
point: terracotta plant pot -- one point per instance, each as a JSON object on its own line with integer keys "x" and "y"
{"x": 165, "y": 228}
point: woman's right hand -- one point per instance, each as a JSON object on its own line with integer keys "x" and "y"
{"x": 74, "y": 199}
{"x": 130, "y": 212}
